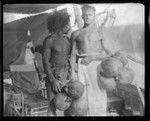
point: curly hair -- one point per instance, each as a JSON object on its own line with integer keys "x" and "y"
{"x": 57, "y": 21}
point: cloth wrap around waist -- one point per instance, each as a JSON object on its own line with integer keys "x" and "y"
{"x": 62, "y": 73}
{"x": 96, "y": 98}
{"x": 80, "y": 56}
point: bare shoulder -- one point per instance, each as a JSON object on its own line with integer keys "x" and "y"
{"x": 75, "y": 34}
{"x": 48, "y": 41}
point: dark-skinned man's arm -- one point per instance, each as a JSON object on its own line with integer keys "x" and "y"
{"x": 73, "y": 56}
{"x": 46, "y": 57}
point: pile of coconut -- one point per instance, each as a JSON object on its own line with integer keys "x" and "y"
{"x": 113, "y": 70}
{"x": 70, "y": 99}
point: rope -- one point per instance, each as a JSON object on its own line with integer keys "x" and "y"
{"x": 104, "y": 11}
{"x": 107, "y": 7}
{"x": 132, "y": 58}
{"x": 135, "y": 60}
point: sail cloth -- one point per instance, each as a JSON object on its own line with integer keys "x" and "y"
{"x": 28, "y": 8}
{"x": 15, "y": 36}
{"x": 15, "y": 32}
{"x": 15, "y": 39}
{"x": 25, "y": 78}
{"x": 14, "y": 45}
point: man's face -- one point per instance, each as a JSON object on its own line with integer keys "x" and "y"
{"x": 88, "y": 16}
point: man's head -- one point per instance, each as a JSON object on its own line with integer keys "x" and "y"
{"x": 58, "y": 21}
{"x": 88, "y": 14}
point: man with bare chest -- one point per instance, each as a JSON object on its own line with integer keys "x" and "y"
{"x": 56, "y": 56}
{"x": 88, "y": 49}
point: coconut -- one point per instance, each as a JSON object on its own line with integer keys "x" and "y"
{"x": 121, "y": 57}
{"x": 62, "y": 101}
{"x": 108, "y": 84}
{"x": 110, "y": 67}
{"x": 79, "y": 107}
{"x": 74, "y": 89}
{"x": 126, "y": 75}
